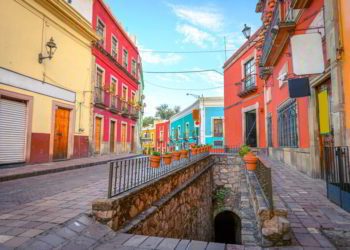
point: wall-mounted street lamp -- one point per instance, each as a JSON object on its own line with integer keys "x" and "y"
{"x": 246, "y": 31}
{"x": 51, "y": 48}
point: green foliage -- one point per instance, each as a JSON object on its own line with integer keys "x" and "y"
{"x": 167, "y": 153}
{"x": 164, "y": 112}
{"x": 220, "y": 195}
{"x": 155, "y": 153}
{"x": 148, "y": 120}
{"x": 244, "y": 150}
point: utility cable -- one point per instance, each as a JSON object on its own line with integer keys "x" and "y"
{"x": 183, "y": 72}
{"x": 185, "y": 52}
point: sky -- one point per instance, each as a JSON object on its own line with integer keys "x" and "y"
{"x": 182, "y": 26}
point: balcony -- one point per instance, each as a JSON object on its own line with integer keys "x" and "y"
{"x": 248, "y": 86}
{"x": 125, "y": 111}
{"x": 115, "y": 104}
{"x": 300, "y": 4}
{"x": 99, "y": 97}
{"x": 134, "y": 112}
{"x": 282, "y": 24}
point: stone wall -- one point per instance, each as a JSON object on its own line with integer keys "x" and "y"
{"x": 121, "y": 210}
{"x": 183, "y": 214}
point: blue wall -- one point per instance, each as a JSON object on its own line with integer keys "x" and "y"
{"x": 210, "y": 113}
{"x": 182, "y": 123}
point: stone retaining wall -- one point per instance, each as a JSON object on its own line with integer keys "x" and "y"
{"x": 122, "y": 209}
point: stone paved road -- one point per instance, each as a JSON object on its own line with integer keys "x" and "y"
{"x": 309, "y": 209}
{"x": 32, "y": 205}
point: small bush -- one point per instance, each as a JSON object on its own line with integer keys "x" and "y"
{"x": 244, "y": 150}
{"x": 155, "y": 153}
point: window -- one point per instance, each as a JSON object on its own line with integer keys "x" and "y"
{"x": 125, "y": 58}
{"x": 283, "y": 75}
{"x": 99, "y": 85}
{"x": 113, "y": 91}
{"x": 133, "y": 67}
{"x": 133, "y": 97}
{"x": 218, "y": 128}
{"x": 287, "y": 125}
{"x": 100, "y": 30}
{"x": 269, "y": 131}
{"x": 114, "y": 48}
{"x": 249, "y": 74}
{"x": 161, "y": 136}
{"x": 125, "y": 93}
{"x": 187, "y": 130}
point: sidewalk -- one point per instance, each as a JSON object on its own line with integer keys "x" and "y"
{"x": 53, "y": 167}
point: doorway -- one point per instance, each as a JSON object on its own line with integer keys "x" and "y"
{"x": 112, "y": 137}
{"x": 250, "y": 129}
{"x": 124, "y": 137}
{"x": 60, "y": 148}
{"x": 98, "y": 127}
{"x": 227, "y": 227}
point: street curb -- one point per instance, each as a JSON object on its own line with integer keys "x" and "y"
{"x": 56, "y": 170}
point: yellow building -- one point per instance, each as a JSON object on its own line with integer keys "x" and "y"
{"x": 148, "y": 139}
{"x": 45, "y": 101}
{"x": 344, "y": 9}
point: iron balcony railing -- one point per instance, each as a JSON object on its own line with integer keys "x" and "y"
{"x": 99, "y": 95}
{"x": 127, "y": 174}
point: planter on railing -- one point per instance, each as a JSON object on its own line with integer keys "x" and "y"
{"x": 184, "y": 154}
{"x": 155, "y": 160}
{"x": 176, "y": 155}
{"x": 167, "y": 158}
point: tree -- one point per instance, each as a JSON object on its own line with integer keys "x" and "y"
{"x": 148, "y": 120}
{"x": 164, "y": 112}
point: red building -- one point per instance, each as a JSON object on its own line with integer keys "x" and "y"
{"x": 162, "y": 136}
{"x": 257, "y": 90}
{"x": 244, "y": 97}
{"x": 117, "y": 81}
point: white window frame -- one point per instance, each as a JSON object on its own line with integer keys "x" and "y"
{"x": 104, "y": 30}
{"x": 117, "y": 47}
{"x": 127, "y": 92}
{"x": 212, "y": 125}
{"x": 127, "y": 58}
{"x": 132, "y": 67}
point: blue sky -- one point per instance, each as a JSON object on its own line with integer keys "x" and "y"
{"x": 184, "y": 25}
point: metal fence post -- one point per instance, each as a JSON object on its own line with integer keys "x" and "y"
{"x": 110, "y": 180}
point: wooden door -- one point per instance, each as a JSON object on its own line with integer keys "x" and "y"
{"x": 60, "y": 148}
{"x": 98, "y": 125}
{"x": 132, "y": 139}
{"x": 112, "y": 137}
{"x": 123, "y": 137}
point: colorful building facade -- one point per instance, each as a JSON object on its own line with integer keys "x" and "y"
{"x": 148, "y": 139}
{"x": 208, "y": 129}
{"x": 162, "y": 136}
{"x": 244, "y": 97}
{"x": 45, "y": 106}
{"x": 118, "y": 86}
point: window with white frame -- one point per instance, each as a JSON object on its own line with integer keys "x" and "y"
{"x": 113, "y": 91}
{"x": 114, "y": 48}
{"x": 99, "y": 85}
{"x": 218, "y": 127}
{"x": 125, "y": 58}
{"x": 179, "y": 131}
{"x": 187, "y": 130}
{"x": 249, "y": 74}
{"x": 101, "y": 31}
{"x": 133, "y": 67}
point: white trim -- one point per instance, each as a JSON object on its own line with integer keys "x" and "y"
{"x": 245, "y": 110}
{"x": 127, "y": 66}
{"x": 104, "y": 31}
{"x": 212, "y": 125}
{"x": 96, "y": 115}
{"x": 117, "y": 49}
{"x": 127, "y": 92}
{"x": 115, "y": 134}
{"x": 17, "y": 80}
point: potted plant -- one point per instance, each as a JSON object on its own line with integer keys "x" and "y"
{"x": 184, "y": 153}
{"x": 249, "y": 157}
{"x": 176, "y": 155}
{"x": 167, "y": 158}
{"x": 155, "y": 159}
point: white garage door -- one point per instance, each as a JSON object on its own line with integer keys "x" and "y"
{"x": 13, "y": 126}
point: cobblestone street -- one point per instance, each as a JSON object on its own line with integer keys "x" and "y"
{"x": 32, "y": 205}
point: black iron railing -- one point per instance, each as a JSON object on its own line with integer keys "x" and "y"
{"x": 263, "y": 174}
{"x": 99, "y": 95}
{"x": 127, "y": 174}
{"x": 337, "y": 166}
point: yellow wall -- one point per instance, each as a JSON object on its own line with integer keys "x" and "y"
{"x": 345, "y": 30}
{"x": 149, "y": 144}
{"x": 25, "y": 27}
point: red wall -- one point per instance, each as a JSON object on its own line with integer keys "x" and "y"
{"x": 163, "y": 126}
{"x": 100, "y": 11}
{"x": 235, "y": 104}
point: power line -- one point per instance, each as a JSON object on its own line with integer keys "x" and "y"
{"x": 184, "y": 52}
{"x": 180, "y": 89}
{"x": 183, "y": 72}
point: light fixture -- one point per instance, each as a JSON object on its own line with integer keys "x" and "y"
{"x": 246, "y": 31}
{"x": 51, "y": 48}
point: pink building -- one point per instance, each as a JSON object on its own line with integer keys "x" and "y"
{"x": 162, "y": 136}
{"x": 117, "y": 101}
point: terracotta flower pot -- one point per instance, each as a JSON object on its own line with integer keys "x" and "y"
{"x": 184, "y": 154}
{"x": 167, "y": 159}
{"x": 155, "y": 161}
{"x": 176, "y": 155}
{"x": 250, "y": 161}
{"x": 194, "y": 151}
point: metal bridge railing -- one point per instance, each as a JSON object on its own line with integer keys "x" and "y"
{"x": 127, "y": 174}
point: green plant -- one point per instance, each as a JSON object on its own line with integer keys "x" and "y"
{"x": 244, "y": 150}
{"x": 155, "y": 153}
{"x": 220, "y": 195}
{"x": 167, "y": 153}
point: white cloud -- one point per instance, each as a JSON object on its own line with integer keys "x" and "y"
{"x": 205, "y": 17}
{"x": 195, "y": 36}
{"x": 166, "y": 59}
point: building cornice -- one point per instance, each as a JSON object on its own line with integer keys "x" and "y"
{"x": 68, "y": 15}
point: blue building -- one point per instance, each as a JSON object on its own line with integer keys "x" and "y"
{"x": 209, "y": 129}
